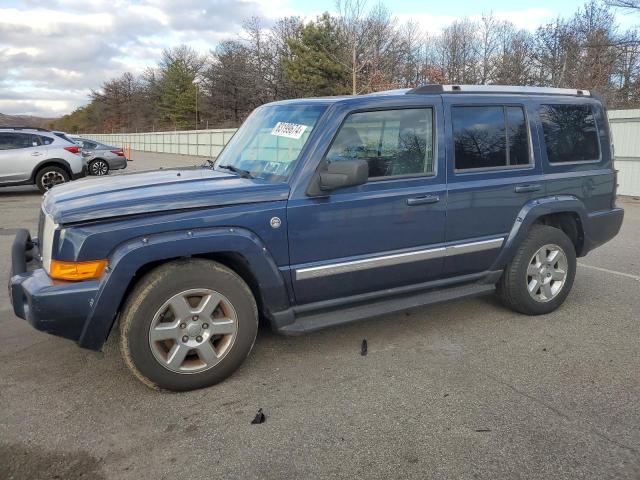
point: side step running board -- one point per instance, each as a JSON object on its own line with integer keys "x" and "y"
{"x": 316, "y": 321}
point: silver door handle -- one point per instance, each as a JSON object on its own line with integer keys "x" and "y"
{"x": 423, "y": 200}
{"x": 534, "y": 187}
{"x": 36, "y": 154}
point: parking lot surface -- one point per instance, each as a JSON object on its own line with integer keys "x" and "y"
{"x": 466, "y": 389}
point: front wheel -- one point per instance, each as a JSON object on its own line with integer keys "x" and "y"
{"x": 541, "y": 274}
{"x": 188, "y": 324}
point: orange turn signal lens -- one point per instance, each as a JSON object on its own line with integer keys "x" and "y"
{"x": 75, "y": 271}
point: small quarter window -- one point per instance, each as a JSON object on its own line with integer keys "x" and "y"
{"x": 490, "y": 137}
{"x": 570, "y": 133}
{"x": 393, "y": 142}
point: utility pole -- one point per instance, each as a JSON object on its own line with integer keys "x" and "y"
{"x": 196, "y": 106}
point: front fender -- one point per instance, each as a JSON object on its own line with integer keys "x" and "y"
{"x": 130, "y": 256}
{"x": 530, "y": 213}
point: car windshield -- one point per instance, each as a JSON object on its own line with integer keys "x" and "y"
{"x": 269, "y": 142}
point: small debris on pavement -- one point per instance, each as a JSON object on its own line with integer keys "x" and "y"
{"x": 363, "y": 348}
{"x": 483, "y": 430}
{"x": 259, "y": 418}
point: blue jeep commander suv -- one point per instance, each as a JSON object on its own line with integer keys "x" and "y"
{"x": 320, "y": 212}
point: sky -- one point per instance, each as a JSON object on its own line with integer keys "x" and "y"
{"x": 54, "y": 52}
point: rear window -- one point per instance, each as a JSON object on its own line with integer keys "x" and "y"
{"x": 491, "y": 136}
{"x": 570, "y": 133}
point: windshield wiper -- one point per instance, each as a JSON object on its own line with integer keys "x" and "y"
{"x": 239, "y": 171}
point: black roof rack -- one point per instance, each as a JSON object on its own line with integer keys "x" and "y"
{"x": 506, "y": 89}
{"x": 12, "y": 127}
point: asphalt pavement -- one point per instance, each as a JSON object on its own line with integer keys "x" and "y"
{"x": 466, "y": 389}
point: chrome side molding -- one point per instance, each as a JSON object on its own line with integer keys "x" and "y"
{"x": 397, "y": 259}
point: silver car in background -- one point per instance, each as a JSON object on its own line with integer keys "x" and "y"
{"x": 37, "y": 156}
{"x": 101, "y": 158}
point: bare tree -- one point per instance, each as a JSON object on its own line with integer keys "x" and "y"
{"x": 457, "y": 52}
{"x": 361, "y": 50}
{"x": 633, "y": 5}
{"x": 350, "y": 17}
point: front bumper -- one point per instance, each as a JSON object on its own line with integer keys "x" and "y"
{"x": 58, "y": 308}
{"x": 81, "y": 174}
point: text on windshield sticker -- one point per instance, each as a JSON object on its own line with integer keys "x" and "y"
{"x": 289, "y": 130}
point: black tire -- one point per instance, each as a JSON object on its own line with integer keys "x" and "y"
{"x": 48, "y": 174}
{"x": 513, "y": 286}
{"x": 98, "y": 167}
{"x": 149, "y": 296}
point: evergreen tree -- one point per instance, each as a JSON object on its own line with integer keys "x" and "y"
{"x": 312, "y": 67}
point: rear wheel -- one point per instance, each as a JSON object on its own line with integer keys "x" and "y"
{"x": 540, "y": 276}
{"x": 99, "y": 167}
{"x": 50, "y": 176}
{"x": 187, "y": 325}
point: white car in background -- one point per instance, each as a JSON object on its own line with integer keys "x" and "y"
{"x": 38, "y": 157}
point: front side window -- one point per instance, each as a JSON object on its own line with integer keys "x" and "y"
{"x": 393, "y": 142}
{"x": 269, "y": 142}
{"x": 570, "y": 133}
{"x": 10, "y": 141}
{"x": 490, "y": 137}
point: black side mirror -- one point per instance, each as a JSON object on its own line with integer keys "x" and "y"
{"x": 347, "y": 173}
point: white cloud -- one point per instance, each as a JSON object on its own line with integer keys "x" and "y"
{"x": 527, "y": 19}
{"x": 73, "y": 46}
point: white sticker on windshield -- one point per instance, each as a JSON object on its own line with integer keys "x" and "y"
{"x": 289, "y": 130}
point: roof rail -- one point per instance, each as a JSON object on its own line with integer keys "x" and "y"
{"x": 12, "y": 127}
{"x": 511, "y": 89}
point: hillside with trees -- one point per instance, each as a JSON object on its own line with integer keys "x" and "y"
{"x": 361, "y": 50}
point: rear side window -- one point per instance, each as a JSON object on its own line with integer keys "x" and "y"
{"x": 570, "y": 133}
{"x": 393, "y": 142}
{"x": 490, "y": 137}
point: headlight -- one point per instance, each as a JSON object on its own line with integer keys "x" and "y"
{"x": 46, "y": 241}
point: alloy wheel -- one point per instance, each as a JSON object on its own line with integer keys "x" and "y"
{"x": 52, "y": 178}
{"x": 193, "y": 331}
{"x": 547, "y": 273}
{"x": 99, "y": 168}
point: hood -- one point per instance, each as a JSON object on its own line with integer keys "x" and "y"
{"x": 155, "y": 191}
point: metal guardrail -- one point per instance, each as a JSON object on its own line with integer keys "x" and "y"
{"x": 203, "y": 143}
